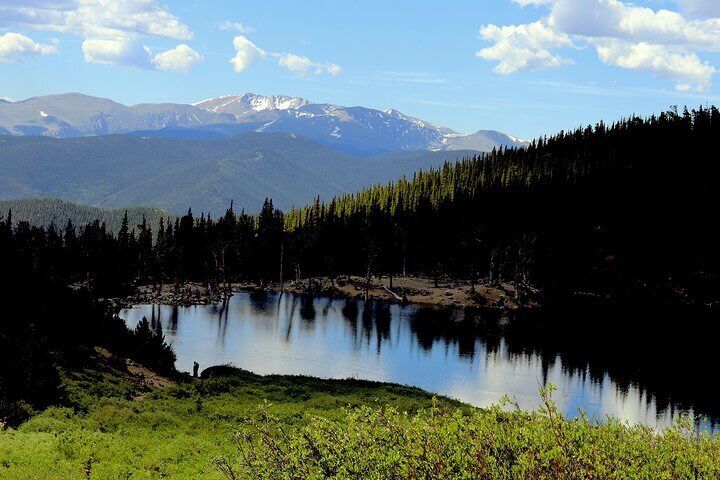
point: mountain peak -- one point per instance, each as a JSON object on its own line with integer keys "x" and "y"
{"x": 242, "y": 104}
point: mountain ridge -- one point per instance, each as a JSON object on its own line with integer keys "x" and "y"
{"x": 356, "y": 130}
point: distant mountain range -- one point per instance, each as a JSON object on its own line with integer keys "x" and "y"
{"x": 357, "y": 130}
{"x": 117, "y": 171}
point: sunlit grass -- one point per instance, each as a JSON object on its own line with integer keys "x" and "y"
{"x": 241, "y": 425}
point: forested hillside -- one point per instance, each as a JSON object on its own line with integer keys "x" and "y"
{"x": 118, "y": 171}
{"x": 45, "y": 211}
{"x": 611, "y": 211}
{"x": 617, "y": 209}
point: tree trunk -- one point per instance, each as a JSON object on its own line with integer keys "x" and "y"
{"x": 367, "y": 283}
{"x": 282, "y": 285}
{"x": 405, "y": 262}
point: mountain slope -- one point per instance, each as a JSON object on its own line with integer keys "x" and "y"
{"x": 170, "y": 173}
{"x": 76, "y": 115}
{"x": 356, "y": 130}
{"x": 44, "y": 211}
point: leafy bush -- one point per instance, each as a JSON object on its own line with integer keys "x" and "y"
{"x": 440, "y": 443}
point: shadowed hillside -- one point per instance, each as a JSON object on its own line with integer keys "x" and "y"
{"x": 174, "y": 174}
{"x": 42, "y": 212}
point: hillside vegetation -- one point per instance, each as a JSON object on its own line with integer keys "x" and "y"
{"x": 117, "y": 171}
{"x": 234, "y": 425}
{"x": 43, "y": 212}
{"x": 619, "y": 212}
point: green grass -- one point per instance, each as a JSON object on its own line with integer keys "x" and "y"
{"x": 177, "y": 432}
{"x": 240, "y": 425}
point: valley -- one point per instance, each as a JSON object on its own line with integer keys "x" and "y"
{"x": 122, "y": 171}
{"x": 359, "y": 240}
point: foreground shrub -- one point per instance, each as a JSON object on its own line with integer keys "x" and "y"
{"x": 369, "y": 443}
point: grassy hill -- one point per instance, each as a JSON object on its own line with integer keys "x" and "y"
{"x": 122, "y": 421}
{"x": 44, "y": 211}
{"x": 173, "y": 174}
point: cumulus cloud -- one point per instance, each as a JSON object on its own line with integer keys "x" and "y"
{"x": 301, "y": 65}
{"x": 663, "y": 42}
{"x": 523, "y": 47}
{"x": 96, "y": 18}
{"x": 297, "y": 64}
{"x": 178, "y": 59}
{"x": 246, "y": 54}
{"x": 117, "y": 51}
{"x": 615, "y": 19}
{"x": 111, "y": 29}
{"x": 686, "y": 67}
{"x": 16, "y": 46}
{"x": 238, "y": 27}
{"x": 128, "y": 52}
{"x": 334, "y": 69}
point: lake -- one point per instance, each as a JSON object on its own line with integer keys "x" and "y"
{"x": 476, "y": 357}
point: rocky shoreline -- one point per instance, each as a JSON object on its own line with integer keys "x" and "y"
{"x": 403, "y": 290}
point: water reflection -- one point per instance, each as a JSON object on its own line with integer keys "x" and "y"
{"x": 477, "y": 357}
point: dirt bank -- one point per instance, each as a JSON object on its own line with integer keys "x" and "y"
{"x": 416, "y": 290}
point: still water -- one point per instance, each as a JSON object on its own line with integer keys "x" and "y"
{"x": 472, "y": 357}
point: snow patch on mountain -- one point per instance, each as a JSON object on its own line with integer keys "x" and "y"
{"x": 243, "y": 104}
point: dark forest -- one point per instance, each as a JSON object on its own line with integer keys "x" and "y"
{"x": 621, "y": 211}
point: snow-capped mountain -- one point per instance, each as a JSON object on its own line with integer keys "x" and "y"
{"x": 249, "y": 103}
{"x": 357, "y": 130}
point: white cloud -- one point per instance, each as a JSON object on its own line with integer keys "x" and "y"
{"x": 246, "y": 54}
{"x": 179, "y": 59}
{"x": 615, "y": 19}
{"x": 16, "y": 46}
{"x": 96, "y": 18}
{"x": 128, "y": 52}
{"x": 334, "y": 69}
{"x": 238, "y": 27}
{"x": 111, "y": 29}
{"x": 302, "y": 65}
{"x": 297, "y": 64}
{"x": 663, "y": 42}
{"x": 686, "y": 68}
{"x": 117, "y": 51}
{"x": 523, "y": 47}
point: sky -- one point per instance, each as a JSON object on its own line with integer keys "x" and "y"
{"x": 523, "y": 67}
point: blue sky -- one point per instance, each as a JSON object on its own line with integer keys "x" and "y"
{"x": 524, "y": 67}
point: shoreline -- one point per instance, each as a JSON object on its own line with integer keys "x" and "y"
{"x": 505, "y": 296}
